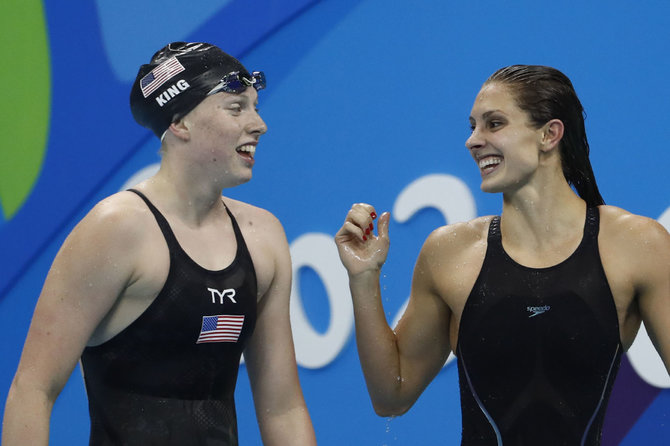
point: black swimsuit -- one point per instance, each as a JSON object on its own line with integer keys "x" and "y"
{"x": 538, "y": 348}
{"x": 169, "y": 377}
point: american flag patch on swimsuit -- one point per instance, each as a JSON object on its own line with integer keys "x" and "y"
{"x": 221, "y": 328}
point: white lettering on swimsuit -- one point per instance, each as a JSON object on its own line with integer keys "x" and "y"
{"x": 538, "y": 310}
{"x": 228, "y": 292}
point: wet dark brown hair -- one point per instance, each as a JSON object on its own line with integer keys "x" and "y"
{"x": 545, "y": 93}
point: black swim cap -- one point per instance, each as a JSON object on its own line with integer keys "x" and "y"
{"x": 178, "y": 78}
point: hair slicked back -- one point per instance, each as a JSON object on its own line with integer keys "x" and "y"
{"x": 545, "y": 93}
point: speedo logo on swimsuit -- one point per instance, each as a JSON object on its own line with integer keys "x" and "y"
{"x": 538, "y": 310}
{"x": 172, "y": 91}
{"x": 228, "y": 292}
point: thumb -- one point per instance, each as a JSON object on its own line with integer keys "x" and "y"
{"x": 383, "y": 225}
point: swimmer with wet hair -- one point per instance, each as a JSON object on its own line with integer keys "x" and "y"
{"x": 539, "y": 303}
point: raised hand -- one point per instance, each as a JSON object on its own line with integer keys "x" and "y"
{"x": 359, "y": 248}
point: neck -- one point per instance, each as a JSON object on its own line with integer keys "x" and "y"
{"x": 542, "y": 216}
{"x": 191, "y": 198}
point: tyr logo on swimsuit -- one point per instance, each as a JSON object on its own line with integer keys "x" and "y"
{"x": 228, "y": 292}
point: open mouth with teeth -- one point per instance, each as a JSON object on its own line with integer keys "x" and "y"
{"x": 247, "y": 151}
{"x": 489, "y": 163}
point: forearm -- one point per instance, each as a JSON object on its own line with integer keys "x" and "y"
{"x": 26, "y": 418}
{"x": 377, "y": 346}
{"x": 292, "y": 427}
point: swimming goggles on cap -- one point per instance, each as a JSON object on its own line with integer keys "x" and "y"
{"x": 234, "y": 83}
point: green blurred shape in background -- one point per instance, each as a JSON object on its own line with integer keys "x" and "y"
{"x": 24, "y": 100}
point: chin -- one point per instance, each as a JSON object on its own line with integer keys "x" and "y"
{"x": 490, "y": 188}
{"x": 228, "y": 182}
{"x": 243, "y": 180}
{"x": 496, "y": 184}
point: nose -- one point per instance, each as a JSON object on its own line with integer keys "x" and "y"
{"x": 475, "y": 140}
{"x": 256, "y": 125}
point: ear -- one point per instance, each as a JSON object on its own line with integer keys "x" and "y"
{"x": 552, "y": 133}
{"x": 180, "y": 129}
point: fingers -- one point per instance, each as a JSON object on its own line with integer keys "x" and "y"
{"x": 359, "y": 222}
{"x": 348, "y": 231}
{"x": 362, "y": 215}
{"x": 383, "y": 225}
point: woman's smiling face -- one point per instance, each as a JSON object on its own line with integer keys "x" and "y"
{"x": 503, "y": 142}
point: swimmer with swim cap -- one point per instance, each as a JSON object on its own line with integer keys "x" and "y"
{"x": 156, "y": 365}
{"x": 179, "y": 77}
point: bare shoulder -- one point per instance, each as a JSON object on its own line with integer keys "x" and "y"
{"x": 635, "y": 250}
{"x": 254, "y": 218}
{"x": 450, "y": 261}
{"x": 631, "y": 231}
{"x": 266, "y": 240}
{"x": 457, "y": 237}
{"x": 119, "y": 217}
{"x": 102, "y": 253}
{"x": 454, "y": 253}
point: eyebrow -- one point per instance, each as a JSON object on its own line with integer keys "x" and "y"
{"x": 486, "y": 114}
{"x": 233, "y": 97}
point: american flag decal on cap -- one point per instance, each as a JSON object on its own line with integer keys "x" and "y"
{"x": 159, "y": 75}
{"x": 221, "y": 328}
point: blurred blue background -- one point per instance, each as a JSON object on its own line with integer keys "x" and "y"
{"x": 367, "y": 100}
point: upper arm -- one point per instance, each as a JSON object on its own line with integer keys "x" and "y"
{"x": 270, "y": 355}
{"x": 86, "y": 277}
{"x": 423, "y": 331}
{"x": 652, "y": 266}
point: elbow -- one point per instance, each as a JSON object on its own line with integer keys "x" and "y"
{"x": 23, "y": 389}
{"x": 387, "y": 409}
{"x": 393, "y": 401}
